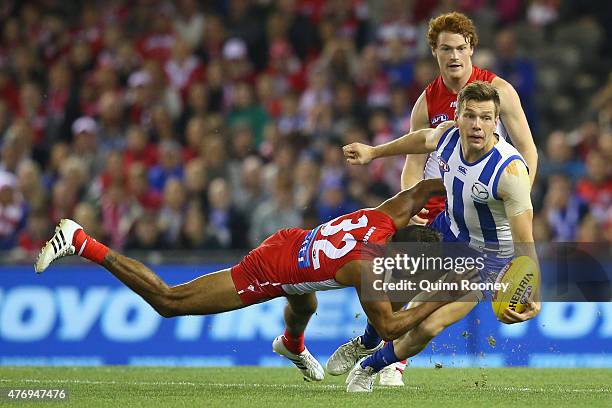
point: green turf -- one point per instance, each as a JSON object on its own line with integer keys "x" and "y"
{"x": 283, "y": 387}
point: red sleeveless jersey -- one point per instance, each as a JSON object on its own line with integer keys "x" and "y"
{"x": 296, "y": 261}
{"x": 441, "y": 106}
{"x": 442, "y": 102}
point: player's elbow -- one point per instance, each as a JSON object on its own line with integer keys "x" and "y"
{"x": 166, "y": 309}
{"x": 168, "y": 303}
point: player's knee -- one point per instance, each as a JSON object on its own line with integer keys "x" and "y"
{"x": 305, "y": 307}
{"x": 429, "y": 329}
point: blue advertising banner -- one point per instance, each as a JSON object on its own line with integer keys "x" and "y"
{"x": 81, "y": 315}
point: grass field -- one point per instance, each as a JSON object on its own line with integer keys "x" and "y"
{"x": 283, "y": 387}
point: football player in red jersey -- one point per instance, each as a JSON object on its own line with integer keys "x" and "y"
{"x": 452, "y": 38}
{"x": 293, "y": 263}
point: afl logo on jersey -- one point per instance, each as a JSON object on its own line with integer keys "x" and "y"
{"x": 479, "y": 192}
{"x": 439, "y": 118}
{"x": 443, "y": 165}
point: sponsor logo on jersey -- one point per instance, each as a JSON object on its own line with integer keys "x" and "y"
{"x": 479, "y": 192}
{"x": 453, "y": 104}
{"x": 443, "y": 165}
{"x": 439, "y": 118}
{"x": 462, "y": 170}
{"x": 303, "y": 253}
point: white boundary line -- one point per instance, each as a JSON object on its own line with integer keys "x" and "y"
{"x": 309, "y": 385}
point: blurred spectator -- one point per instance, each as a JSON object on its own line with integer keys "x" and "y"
{"x": 236, "y": 65}
{"x": 564, "y": 210}
{"x": 36, "y": 233}
{"x": 318, "y": 93}
{"x": 398, "y": 65}
{"x": 111, "y": 126}
{"x": 400, "y": 112}
{"x": 84, "y": 143}
{"x": 250, "y": 190}
{"x": 307, "y": 178}
{"x": 589, "y": 230}
{"x": 157, "y": 43}
{"x": 517, "y": 70}
{"x": 196, "y": 181}
{"x": 291, "y": 119}
{"x": 195, "y": 233}
{"x": 559, "y": 158}
{"x": 227, "y": 223}
{"x": 246, "y": 110}
{"x": 214, "y": 153}
{"x": 196, "y": 105}
{"x": 88, "y": 217}
{"x": 145, "y": 234}
{"x": 184, "y": 68}
{"x": 140, "y": 189}
{"x": 334, "y": 201}
{"x": 138, "y": 149}
{"x": 172, "y": 211}
{"x": 373, "y": 82}
{"x": 189, "y": 22}
{"x": 64, "y": 197}
{"x": 13, "y": 211}
{"x": 276, "y": 213}
{"x": 424, "y": 73}
{"x": 542, "y": 12}
{"x": 194, "y": 136}
{"x": 267, "y": 95}
{"x": 30, "y": 185}
{"x": 170, "y": 165}
{"x": 596, "y": 188}
{"x": 117, "y": 214}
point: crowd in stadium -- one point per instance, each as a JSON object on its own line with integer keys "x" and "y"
{"x": 181, "y": 125}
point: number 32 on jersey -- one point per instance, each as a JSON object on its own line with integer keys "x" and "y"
{"x": 334, "y": 245}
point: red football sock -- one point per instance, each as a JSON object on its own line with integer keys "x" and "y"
{"x": 89, "y": 248}
{"x": 294, "y": 344}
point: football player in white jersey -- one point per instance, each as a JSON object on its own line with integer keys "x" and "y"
{"x": 488, "y": 208}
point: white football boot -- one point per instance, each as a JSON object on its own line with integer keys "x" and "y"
{"x": 345, "y": 356}
{"x": 305, "y": 362}
{"x": 360, "y": 379}
{"x": 59, "y": 246}
{"x": 391, "y": 376}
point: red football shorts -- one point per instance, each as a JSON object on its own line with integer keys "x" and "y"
{"x": 258, "y": 276}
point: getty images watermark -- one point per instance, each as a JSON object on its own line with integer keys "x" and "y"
{"x": 404, "y": 264}
{"x": 569, "y": 272}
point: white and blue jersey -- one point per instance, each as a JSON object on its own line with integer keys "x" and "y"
{"x": 474, "y": 213}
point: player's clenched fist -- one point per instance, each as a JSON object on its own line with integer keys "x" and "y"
{"x": 358, "y": 153}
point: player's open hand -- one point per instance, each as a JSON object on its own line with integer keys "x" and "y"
{"x": 419, "y": 219}
{"x": 510, "y": 316}
{"x": 358, "y": 153}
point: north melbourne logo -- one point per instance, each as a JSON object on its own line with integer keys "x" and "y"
{"x": 479, "y": 191}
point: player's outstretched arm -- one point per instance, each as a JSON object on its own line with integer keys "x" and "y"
{"x": 412, "y": 172}
{"x": 515, "y": 122}
{"x": 420, "y": 141}
{"x": 377, "y": 307}
{"x": 392, "y": 325}
{"x": 514, "y": 189}
{"x": 405, "y": 204}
